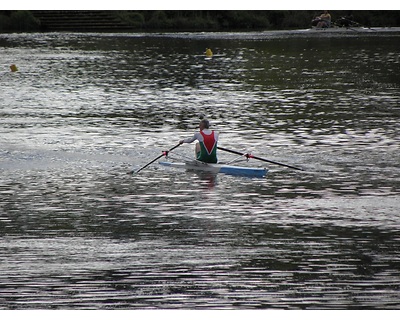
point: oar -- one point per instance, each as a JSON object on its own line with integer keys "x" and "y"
{"x": 348, "y": 28}
{"x": 164, "y": 153}
{"x": 258, "y": 158}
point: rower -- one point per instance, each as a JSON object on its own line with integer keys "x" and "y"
{"x": 206, "y": 147}
{"x": 323, "y": 21}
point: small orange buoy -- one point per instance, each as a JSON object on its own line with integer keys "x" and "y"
{"x": 13, "y": 68}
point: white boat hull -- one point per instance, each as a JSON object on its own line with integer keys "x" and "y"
{"x": 217, "y": 168}
{"x": 351, "y": 30}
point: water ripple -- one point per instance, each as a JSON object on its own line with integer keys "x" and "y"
{"x": 78, "y": 232}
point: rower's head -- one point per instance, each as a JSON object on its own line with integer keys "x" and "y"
{"x": 204, "y": 124}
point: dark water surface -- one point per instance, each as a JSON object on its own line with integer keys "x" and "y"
{"x": 78, "y": 232}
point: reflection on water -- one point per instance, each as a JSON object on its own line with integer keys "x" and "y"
{"x": 77, "y": 231}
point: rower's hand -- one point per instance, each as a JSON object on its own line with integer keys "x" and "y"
{"x": 181, "y": 141}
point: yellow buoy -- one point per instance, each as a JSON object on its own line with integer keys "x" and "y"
{"x": 209, "y": 52}
{"x": 13, "y": 68}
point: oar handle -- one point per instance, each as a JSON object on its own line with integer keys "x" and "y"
{"x": 258, "y": 158}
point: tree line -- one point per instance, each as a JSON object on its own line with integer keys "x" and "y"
{"x": 254, "y": 19}
{"x": 211, "y": 20}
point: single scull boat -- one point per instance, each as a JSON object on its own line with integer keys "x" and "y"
{"x": 217, "y": 167}
{"x": 195, "y": 165}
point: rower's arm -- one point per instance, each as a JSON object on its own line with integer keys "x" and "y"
{"x": 191, "y": 139}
